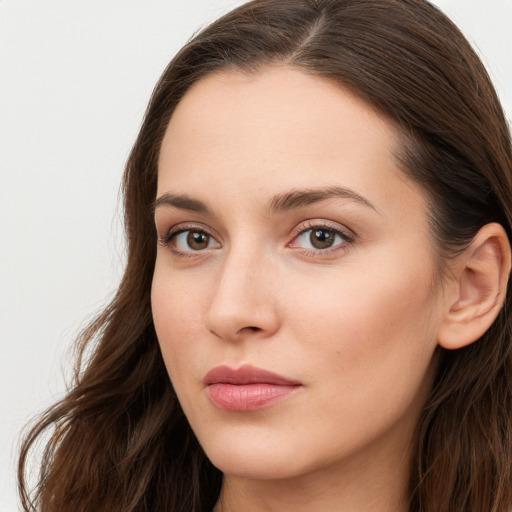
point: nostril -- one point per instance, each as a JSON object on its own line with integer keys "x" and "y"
{"x": 249, "y": 328}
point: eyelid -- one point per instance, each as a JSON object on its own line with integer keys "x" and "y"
{"x": 323, "y": 223}
{"x": 175, "y": 230}
{"x": 347, "y": 234}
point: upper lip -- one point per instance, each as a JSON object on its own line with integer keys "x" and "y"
{"x": 246, "y": 374}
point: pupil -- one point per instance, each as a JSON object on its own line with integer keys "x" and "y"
{"x": 321, "y": 239}
{"x": 197, "y": 240}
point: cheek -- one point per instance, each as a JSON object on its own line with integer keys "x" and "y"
{"x": 177, "y": 316}
{"x": 369, "y": 326}
{"x": 367, "y": 350}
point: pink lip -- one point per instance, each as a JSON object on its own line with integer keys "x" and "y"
{"x": 247, "y": 388}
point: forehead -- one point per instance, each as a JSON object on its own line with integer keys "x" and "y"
{"x": 279, "y": 129}
{"x": 280, "y": 103}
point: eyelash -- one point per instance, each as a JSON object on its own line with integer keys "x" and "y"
{"x": 167, "y": 239}
{"x": 312, "y": 225}
{"x": 302, "y": 229}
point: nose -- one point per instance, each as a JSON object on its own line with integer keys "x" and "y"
{"x": 244, "y": 303}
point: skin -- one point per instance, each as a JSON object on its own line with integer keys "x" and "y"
{"x": 356, "y": 324}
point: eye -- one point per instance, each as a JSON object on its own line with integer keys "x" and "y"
{"x": 190, "y": 240}
{"x": 321, "y": 238}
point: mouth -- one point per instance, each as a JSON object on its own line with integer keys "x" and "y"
{"x": 247, "y": 388}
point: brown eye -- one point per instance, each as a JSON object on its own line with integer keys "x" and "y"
{"x": 322, "y": 238}
{"x": 197, "y": 240}
{"x": 191, "y": 240}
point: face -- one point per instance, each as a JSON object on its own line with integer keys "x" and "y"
{"x": 295, "y": 294}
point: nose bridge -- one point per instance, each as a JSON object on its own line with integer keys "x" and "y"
{"x": 244, "y": 300}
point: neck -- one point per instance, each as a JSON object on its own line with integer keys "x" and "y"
{"x": 354, "y": 486}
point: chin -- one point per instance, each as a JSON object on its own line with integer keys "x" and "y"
{"x": 253, "y": 458}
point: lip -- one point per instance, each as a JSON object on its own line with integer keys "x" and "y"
{"x": 247, "y": 388}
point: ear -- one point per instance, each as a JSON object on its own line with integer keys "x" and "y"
{"x": 478, "y": 289}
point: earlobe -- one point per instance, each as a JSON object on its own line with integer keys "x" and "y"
{"x": 480, "y": 279}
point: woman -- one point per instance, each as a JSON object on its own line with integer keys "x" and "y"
{"x": 318, "y": 215}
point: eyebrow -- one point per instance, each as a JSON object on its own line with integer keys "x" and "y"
{"x": 301, "y": 198}
{"x": 279, "y": 203}
{"x": 181, "y": 201}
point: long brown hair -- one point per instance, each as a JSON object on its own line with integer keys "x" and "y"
{"x": 119, "y": 440}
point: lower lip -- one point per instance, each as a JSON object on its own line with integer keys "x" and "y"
{"x": 246, "y": 397}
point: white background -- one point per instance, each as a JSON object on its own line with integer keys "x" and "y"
{"x": 75, "y": 77}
